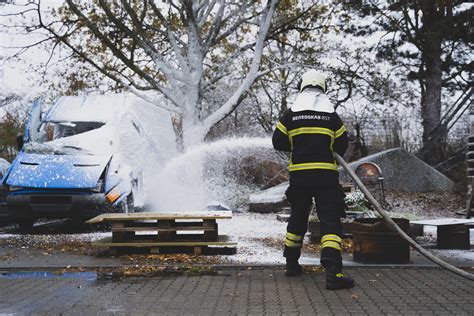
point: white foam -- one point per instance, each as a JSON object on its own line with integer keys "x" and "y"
{"x": 205, "y": 173}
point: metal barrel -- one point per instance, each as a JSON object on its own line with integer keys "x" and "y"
{"x": 375, "y": 242}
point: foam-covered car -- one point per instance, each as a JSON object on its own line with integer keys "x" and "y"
{"x": 87, "y": 155}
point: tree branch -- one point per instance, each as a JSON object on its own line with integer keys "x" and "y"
{"x": 105, "y": 40}
{"x": 153, "y": 101}
{"x": 229, "y": 106}
{"x": 182, "y": 61}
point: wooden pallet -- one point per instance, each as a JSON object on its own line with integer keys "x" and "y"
{"x": 452, "y": 233}
{"x": 223, "y": 245}
{"x": 111, "y": 217}
{"x": 166, "y": 232}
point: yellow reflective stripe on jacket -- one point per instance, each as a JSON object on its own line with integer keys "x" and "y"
{"x": 331, "y": 244}
{"x": 293, "y": 244}
{"x": 331, "y": 237}
{"x": 340, "y": 131}
{"x": 311, "y": 130}
{"x": 312, "y": 165}
{"x": 282, "y": 128}
{"x": 293, "y": 237}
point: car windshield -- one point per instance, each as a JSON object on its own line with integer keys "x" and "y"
{"x": 43, "y": 148}
{"x": 56, "y": 130}
{"x": 75, "y": 138}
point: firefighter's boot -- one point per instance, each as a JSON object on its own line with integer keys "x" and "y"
{"x": 293, "y": 268}
{"x": 331, "y": 260}
{"x": 335, "y": 280}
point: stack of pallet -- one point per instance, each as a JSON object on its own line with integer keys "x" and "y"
{"x": 166, "y": 232}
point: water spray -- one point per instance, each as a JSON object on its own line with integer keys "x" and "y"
{"x": 396, "y": 228}
{"x": 197, "y": 177}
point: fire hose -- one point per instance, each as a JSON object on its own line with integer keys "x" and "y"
{"x": 396, "y": 228}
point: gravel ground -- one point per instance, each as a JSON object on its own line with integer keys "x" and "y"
{"x": 260, "y": 236}
{"x": 425, "y": 204}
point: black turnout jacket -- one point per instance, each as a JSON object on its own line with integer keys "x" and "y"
{"x": 312, "y": 136}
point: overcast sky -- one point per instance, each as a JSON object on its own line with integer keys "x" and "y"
{"x": 16, "y": 74}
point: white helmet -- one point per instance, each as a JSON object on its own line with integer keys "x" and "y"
{"x": 312, "y": 78}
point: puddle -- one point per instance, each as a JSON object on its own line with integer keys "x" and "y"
{"x": 88, "y": 276}
{"x": 43, "y": 274}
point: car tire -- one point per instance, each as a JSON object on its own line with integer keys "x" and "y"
{"x": 26, "y": 225}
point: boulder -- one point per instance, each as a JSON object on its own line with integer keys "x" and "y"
{"x": 263, "y": 172}
{"x": 400, "y": 169}
{"x": 404, "y": 171}
{"x": 272, "y": 200}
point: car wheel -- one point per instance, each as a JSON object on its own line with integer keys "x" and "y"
{"x": 26, "y": 225}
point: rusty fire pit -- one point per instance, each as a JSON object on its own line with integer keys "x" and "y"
{"x": 375, "y": 242}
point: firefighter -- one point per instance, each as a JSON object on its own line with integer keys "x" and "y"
{"x": 312, "y": 131}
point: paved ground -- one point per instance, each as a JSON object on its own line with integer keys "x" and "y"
{"x": 380, "y": 291}
{"x": 398, "y": 290}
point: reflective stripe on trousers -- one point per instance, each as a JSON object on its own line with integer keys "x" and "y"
{"x": 331, "y": 241}
{"x": 293, "y": 241}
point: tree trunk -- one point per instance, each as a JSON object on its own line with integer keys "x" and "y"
{"x": 194, "y": 133}
{"x": 434, "y": 140}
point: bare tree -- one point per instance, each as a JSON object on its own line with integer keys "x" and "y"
{"x": 296, "y": 43}
{"x": 179, "y": 49}
{"x": 430, "y": 43}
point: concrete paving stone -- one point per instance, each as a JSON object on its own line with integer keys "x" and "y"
{"x": 358, "y": 312}
{"x": 259, "y": 292}
{"x": 304, "y": 313}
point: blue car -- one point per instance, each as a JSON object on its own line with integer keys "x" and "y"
{"x": 86, "y": 156}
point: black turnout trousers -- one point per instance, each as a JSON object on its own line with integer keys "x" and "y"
{"x": 330, "y": 207}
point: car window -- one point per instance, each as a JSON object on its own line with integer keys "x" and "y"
{"x": 56, "y": 130}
